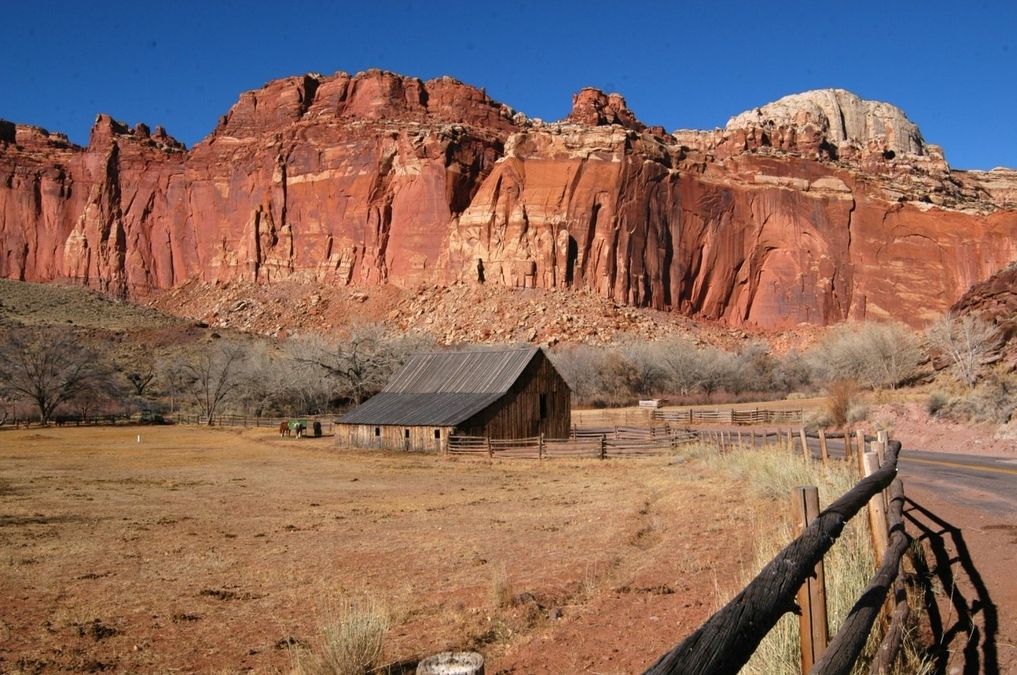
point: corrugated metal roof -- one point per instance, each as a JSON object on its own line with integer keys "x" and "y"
{"x": 443, "y": 389}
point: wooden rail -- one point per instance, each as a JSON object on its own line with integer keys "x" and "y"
{"x": 728, "y": 638}
{"x": 729, "y": 416}
{"x": 598, "y": 442}
{"x": 246, "y": 421}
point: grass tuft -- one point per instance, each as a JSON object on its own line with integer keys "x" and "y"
{"x": 351, "y": 641}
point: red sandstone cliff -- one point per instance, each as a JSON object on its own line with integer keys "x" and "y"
{"x": 818, "y": 208}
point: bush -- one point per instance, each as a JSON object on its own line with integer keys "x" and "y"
{"x": 878, "y": 355}
{"x": 350, "y": 643}
{"x": 840, "y": 400}
{"x": 993, "y": 400}
{"x": 937, "y": 401}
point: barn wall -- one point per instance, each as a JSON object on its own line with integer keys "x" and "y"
{"x": 518, "y": 413}
{"x": 382, "y": 437}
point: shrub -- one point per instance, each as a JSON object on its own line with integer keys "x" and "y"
{"x": 840, "y": 400}
{"x": 937, "y": 401}
{"x": 351, "y": 641}
{"x": 993, "y": 400}
{"x": 875, "y": 354}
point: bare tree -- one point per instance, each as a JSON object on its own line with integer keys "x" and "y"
{"x": 716, "y": 371}
{"x": 682, "y": 364}
{"x": 649, "y": 376}
{"x": 578, "y": 366}
{"x": 968, "y": 342}
{"x": 361, "y": 364}
{"x": 876, "y": 354}
{"x": 213, "y": 376}
{"x": 50, "y": 368}
{"x": 140, "y": 380}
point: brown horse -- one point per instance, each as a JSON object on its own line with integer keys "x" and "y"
{"x": 284, "y": 428}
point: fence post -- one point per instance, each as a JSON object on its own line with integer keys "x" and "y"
{"x": 805, "y": 445}
{"x": 823, "y": 452}
{"x": 812, "y": 626}
{"x": 877, "y": 513}
{"x": 603, "y": 446}
{"x": 490, "y": 450}
{"x": 540, "y": 447}
{"x": 860, "y": 433}
{"x": 879, "y": 447}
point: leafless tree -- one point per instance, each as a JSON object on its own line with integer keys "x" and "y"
{"x": 213, "y": 376}
{"x": 682, "y": 364}
{"x": 140, "y": 379}
{"x": 50, "y": 368}
{"x": 879, "y": 355}
{"x": 717, "y": 368}
{"x": 967, "y": 341}
{"x": 647, "y": 371}
{"x": 578, "y": 367}
{"x": 359, "y": 365}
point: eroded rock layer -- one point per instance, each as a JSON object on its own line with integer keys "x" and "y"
{"x": 818, "y": 208}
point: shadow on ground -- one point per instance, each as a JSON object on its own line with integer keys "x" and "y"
{"x": 962, "y": 617}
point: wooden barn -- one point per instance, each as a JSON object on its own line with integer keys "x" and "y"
{"x": 500, "y": 394}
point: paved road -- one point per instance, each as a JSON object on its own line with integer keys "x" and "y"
{"x": 988, "y": 484}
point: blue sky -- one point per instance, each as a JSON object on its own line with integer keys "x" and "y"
{"x": 951, "y": 66}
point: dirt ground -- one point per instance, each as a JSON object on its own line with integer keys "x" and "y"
{"x": 182, "y": 549}
{"x": 186, "y": 549}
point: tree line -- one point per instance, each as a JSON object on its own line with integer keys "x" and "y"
{"x": 59, "y": 374}
{"x": 56, "y": 372}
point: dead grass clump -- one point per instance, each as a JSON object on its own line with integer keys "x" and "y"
{"x": 501, "y": 588}
{"x": 771, "y": 472}
{"x": 843, "y": 403}
{"x": 351, "y": 641}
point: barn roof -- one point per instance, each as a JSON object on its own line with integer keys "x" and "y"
{"x": 444, "y": 388}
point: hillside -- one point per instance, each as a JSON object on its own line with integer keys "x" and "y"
{"x": 818, "y": 208}
{"x": 121, "y": 329}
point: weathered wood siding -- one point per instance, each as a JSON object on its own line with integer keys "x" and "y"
{"x": 536, "y": 403}
{"x": 382, "y": 437}
{"x": 520, "y": 413}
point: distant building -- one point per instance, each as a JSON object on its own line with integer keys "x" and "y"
{"x": 500, "y": 394}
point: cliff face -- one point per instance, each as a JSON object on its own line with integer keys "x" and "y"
{"x": 818, "y": 208}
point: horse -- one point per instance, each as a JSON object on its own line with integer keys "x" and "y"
{"x": 284, "y": 428}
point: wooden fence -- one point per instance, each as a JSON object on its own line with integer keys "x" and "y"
{"x": 726, "y": 641}
{"x": 645, "y": 414}
{"x": 584, "y": 442}
{"x": 729, "y": 416}
{"x": 327, "y": 425}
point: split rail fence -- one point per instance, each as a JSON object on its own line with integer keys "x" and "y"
{"x": 245, "y": 421}
{"x": 726, "y": 641}
{"x": 729, "y": 416}
{"x": 602, "y": 442}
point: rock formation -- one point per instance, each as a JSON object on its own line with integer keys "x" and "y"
{"x": 818, "y": 208}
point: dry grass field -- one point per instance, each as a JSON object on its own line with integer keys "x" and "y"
{"x": 214, "y": 550}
